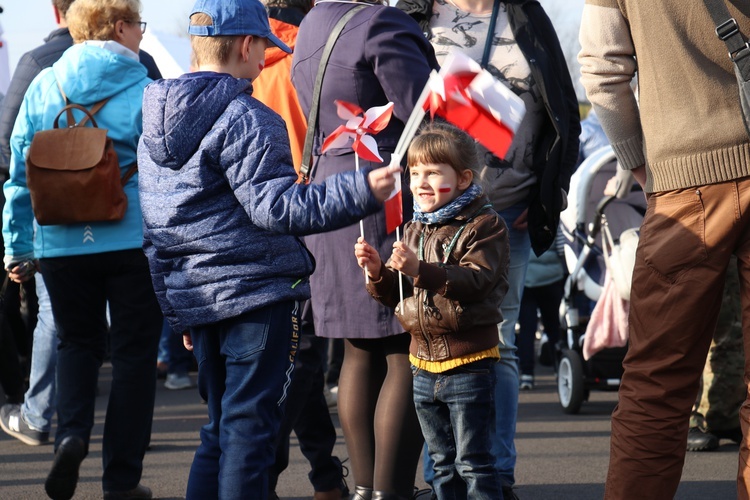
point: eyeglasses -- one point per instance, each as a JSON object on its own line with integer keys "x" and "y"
{"x": 142, "y": 24}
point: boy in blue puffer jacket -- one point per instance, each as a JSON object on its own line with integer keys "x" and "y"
{"x": 220, "y": 206}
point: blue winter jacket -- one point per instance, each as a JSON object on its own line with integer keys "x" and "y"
{"x": 221, "y": 204}
{"x": 87, "y": 74}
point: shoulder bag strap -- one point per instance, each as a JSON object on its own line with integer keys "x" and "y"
{"x": 312, "y": 118}
{"x": 728, "y": 31}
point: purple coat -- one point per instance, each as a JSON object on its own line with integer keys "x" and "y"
{"x": 381, "y": 56}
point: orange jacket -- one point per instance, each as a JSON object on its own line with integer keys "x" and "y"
{"x": 274, "y": 88}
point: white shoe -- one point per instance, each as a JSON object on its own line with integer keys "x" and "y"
{"x": 176, "y": 381}
{"x": 527, "y": 382}
{"x": 331, "y": 395}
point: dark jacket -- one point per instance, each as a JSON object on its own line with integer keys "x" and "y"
{"x": 29, "y": 66}
{"x": 220, "y": 201}
{"x": 452, "y": 309}
{"x": 557, "y": 149}
{"x": 381, "y": 56}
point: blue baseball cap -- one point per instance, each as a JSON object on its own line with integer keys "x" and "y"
{"x": 235, "y": 18}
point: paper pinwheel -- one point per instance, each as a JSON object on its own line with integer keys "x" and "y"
{"x": 361, "y": 126}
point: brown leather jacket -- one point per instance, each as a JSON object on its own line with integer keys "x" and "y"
{"x": 452, "y": 309}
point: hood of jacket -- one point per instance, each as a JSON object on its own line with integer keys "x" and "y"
{"x": 287, "y": 33}
{"x": 195, "y": 99}
{"x": 84, "y": 71}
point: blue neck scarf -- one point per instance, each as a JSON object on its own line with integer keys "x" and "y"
{"x": 450, "y": 211}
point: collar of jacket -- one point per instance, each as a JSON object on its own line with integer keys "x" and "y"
{"x": 58, "y": 33}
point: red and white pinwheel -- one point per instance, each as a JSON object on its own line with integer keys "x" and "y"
{"x": 361, "y": 126}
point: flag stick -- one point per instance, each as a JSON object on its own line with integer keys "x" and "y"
{"x": 400, "y": 281}
{"x": 410, "y": 129}
{"x": 361, "y": 223}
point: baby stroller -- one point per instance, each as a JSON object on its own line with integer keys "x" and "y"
{"x": 590, "y": 212}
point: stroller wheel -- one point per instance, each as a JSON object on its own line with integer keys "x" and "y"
{"x": 570, "y": 382}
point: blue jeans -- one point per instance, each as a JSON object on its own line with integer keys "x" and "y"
{"x": 40, "y": 401}
{"x": 506, "y": 388}
{"x": 172, "y": 351}
{"x": 245, "y": 366}
{"x": 456, "y": 411}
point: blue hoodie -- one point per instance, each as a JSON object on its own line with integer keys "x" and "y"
{"x": 221, "y": 204}
{"x": 87, "y": 74}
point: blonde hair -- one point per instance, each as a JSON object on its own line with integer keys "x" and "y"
{"x": 439, "y": 142}
{"x": 95, "y": 19}
{"x": 210, "y": 49}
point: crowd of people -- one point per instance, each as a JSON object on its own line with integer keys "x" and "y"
{"x": 252, "y": 241}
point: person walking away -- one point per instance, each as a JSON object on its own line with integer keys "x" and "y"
{"x": 306, "y": 410}
{"x": 31, "y": 420}
{"x": 221, "y": 208}
{"x": 87, "y": 266}
{"x": 454, "y": 261}
{"x": 381, "y": 56}
{"x": 541, "y": 297}
{"x": 716, "y": 411}
{"x": 528, "y": 187}
{"x": 688, "y": 147}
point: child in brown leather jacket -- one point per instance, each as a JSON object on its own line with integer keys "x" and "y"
{"x": 454, "y": 256}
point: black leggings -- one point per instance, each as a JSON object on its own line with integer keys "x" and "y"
{"x": 376, "y": 409}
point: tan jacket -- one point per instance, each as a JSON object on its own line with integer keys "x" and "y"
{"x": 452, "y": 309}
{"x": 689, "y": 130}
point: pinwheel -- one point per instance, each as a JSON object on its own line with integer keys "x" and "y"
{"x": 361, "y": 126}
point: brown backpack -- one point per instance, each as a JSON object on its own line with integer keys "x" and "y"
{"x": 73, "y": 173}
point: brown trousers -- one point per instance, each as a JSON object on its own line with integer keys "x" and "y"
{"x": 687, "y": 238}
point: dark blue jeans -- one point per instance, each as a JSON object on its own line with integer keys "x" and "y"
{"x": 307, "y": 413}
{"x": 456, "y": 410}
{"x": 245, "y": 366}
{"x": 80, "y": 288}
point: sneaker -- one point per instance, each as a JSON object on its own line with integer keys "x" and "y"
{"x": 139, "y": 491}
{"x": 175, "y": 381}
{"x": 332, "y": 396}
{"x": 527, "y": 382}
{"x": 699, "y": 440}
{"x": 63, "y": 477}
{"x": 14, "y": 425}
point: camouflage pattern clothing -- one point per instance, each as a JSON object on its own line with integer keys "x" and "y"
{"x": 723, "y": 387}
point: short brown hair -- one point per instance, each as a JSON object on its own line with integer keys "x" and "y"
{"x": 95, "y": 19}
{"x": 210, "y": 49}
{"x": 440, "y": 142}
{"x": 62, "y": 6}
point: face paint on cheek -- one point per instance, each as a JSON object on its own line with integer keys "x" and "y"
{"x": 445, "y": 188}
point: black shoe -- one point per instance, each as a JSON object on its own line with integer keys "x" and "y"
{"x": 698, "y": 440}
{"x": 733, "y": 434}
{"x": 509, "y": 494}
{"x": 139, "y": 491}
{"x": 63, "y": 477}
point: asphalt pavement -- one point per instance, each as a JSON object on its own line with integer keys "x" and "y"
{"x": 560, "y": 456}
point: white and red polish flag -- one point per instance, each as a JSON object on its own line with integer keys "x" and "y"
{"x": 394, "y": 210}
{"x": 472, "y": 99}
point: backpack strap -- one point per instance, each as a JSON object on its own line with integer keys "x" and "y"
{"x": 130, "y": 173}
{"x": 69, "y": 110}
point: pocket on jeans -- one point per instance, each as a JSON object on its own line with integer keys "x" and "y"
{"x": 672, "y": 234}
{"x": 248, "y": 334}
